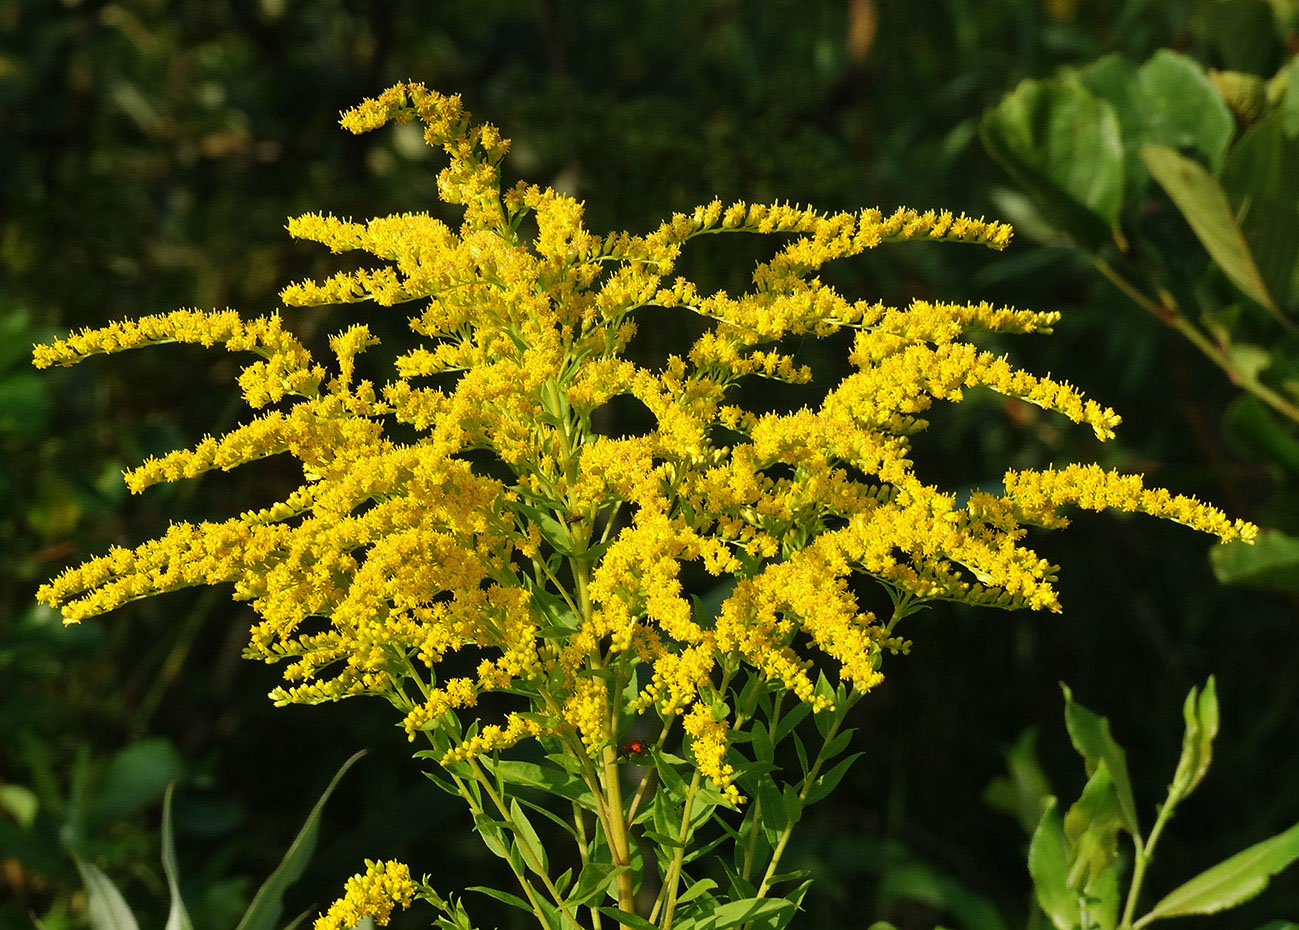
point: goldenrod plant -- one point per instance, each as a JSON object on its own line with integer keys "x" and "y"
{"x": 471, "y": 543}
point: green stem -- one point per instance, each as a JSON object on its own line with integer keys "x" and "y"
{"x": 809, "y": 780}
{"x": 1144, "y": 853}
{"x": 668, "y": 893}
{"x": 1170, "y": 316}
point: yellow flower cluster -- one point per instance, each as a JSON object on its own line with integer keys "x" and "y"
{"x": 478, "y": 534}
{"x": 371, "y": 894}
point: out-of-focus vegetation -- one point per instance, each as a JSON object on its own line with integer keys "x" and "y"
{"x": 151, "y": 152}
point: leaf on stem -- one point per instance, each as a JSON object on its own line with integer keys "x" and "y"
{"x": 1230, "y": 882}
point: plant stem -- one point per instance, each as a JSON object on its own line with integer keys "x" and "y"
{"x": 1171, "y": 317}
{"x": 1144, "y": 853}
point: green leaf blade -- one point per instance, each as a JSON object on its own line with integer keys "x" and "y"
{"x": 1232, "y": 881}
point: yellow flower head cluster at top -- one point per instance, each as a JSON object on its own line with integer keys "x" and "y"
{"x": 504, "y": 526}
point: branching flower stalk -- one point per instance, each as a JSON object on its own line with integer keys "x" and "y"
{"x": 463, "y": 529}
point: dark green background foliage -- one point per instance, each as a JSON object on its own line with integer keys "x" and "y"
{"x": 151, "y": 153}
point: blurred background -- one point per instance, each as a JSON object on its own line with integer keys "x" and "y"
{"x": 152, "y": 151}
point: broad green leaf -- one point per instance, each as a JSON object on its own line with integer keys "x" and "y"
{"x": 1181, "y": 107}
{"x": 1201, "y": 201}
{"x": 1232, "y": 881}
{"x": 1090, "y": 734}
{"x": 1048, "y": 864}
{"x": 1261, "y": 178}
{"x": 1063, "y": 145}
{"x": 107, "y": 908}
{"x": 177, "y": 916}
{"x": 136, "y": 778}
{"x": 1200, "y": 713}
{"x": 268, "y": 903}
{"x": 1271, "y": 563}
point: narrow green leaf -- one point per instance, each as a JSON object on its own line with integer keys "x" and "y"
{"x": 107, "y": 908}
{"x": 635, "y": 921}
{"x": 703, "y": 886}
{"x": 827, "y": 782}
{"x": 1232, "y": 881}
{"x": 1201, "y": 201}
{"x": 1090, "y": 734}
{"x": 536, "y": 859}
{"x": 761, "y": 911}
{"x": 1200, "y": 713}
{"x": 503, "y": 896}
{"x": 177, "y": 916}
{"x": 268, "y": 903}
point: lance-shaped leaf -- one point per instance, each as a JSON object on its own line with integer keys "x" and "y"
{"x": 107, "y": 908}
{"x": 1090, "y": 734}
{"x": 1231, "y": 882}
{"x": 268, "y": 903}
{"x": 177, "y": 916}
{"x": 1091, "y": 827}
{"x": 1200, "y": 711}
{"x": 1204, "y": 205}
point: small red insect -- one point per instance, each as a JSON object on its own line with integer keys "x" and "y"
{"x": 633, "y": 747}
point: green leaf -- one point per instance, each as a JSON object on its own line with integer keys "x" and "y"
{"x": 527, "y": 836}
{"x": 1271, "y": 563}
{"x": 136, "y": 778}
{"x": 1289, "y": 108}
{"x": 1090, "y": 734}
{"x": 1201, "y": 201}
{"x": 503, "y": 896}
{"x": 593, "y": 881}
{"x": 107, "y": 908}
{"x": 830, "y": 780}
{"x": 1021, "y": 794}
{"x": 1200, "y": 713}
{"x": 20, "y": 803}
{"x": 1182, "y": 108}
{"x": 177, "y": 916}
{"x": 1091, "y": 827}
{"x": 703, "y": 886}
{"x": 1063, "y": 145}
{"x": 1261, "y": 177}
{"x": 635, "y": 921}
{"x": 1231, "y": 882}
{"x": 1048, "y": 864}
{"x": 268, "y": 903}
{"x": 765, "y": 913}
